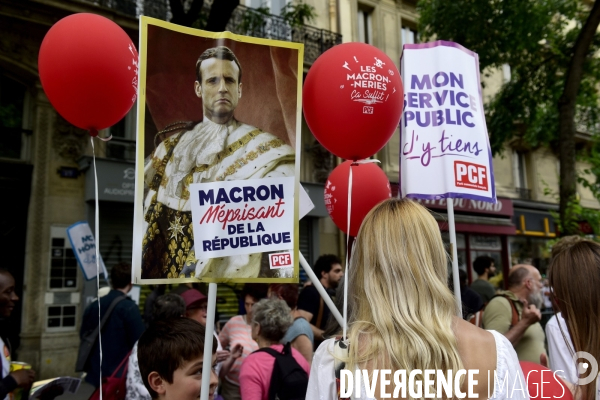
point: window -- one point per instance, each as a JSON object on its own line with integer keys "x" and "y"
{"x": 365, "y": 25}
{"x": 63, "y": 264}
{"x": 274, "y": 6}
{"x": 409, "y": 35}
{"x": 61, "y": 316}
{"x": 122, "y": 145}
{"x": 13, "y": 103}
{"x": 520, "y": 175}
{"x": 506, "y": 76}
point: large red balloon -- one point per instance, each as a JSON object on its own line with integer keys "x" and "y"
{"x": 88, "y": 68}
{"x": 352, "y": 100}
{"x": 370, "y": 186}
{"x": 544, "y": 384}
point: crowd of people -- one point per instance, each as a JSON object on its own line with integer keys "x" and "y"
{"x": 275, "y": 320}
{"x": 402, "y": 316}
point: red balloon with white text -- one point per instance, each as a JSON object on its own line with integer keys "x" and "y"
{"x": 353, "y": 99}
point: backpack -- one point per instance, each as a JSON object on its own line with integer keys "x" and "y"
{"x": 477, "y": 318}
{"x": 115, "y": 386}
{"x": 288, "y": 381}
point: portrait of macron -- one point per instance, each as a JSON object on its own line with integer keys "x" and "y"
{"x": 227, "y": 113}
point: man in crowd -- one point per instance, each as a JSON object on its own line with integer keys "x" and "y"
{"x": 485, "y": 268}
{"x": 22, "y": 378}
{"x": 311, "y": 306}
{"x": 471, "y": 301}
{"x": 120, "y": 332}
{"x": 515, "y": 313}
{"x": 220, "y": 148}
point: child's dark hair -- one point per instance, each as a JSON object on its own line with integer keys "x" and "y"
{"x": 166, "y": 345}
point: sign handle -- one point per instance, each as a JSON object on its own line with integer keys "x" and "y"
{"x": 454, "y": 255}
{"x": 208, "y": 341}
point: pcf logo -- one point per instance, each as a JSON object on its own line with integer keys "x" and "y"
{"x": 280, "y": 260}
{"x": 470, "y": 175}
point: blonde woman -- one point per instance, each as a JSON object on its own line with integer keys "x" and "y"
{"x": 402, "y": 316}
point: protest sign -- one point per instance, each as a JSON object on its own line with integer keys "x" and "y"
{"x": 198, "y": 134}
{"x": 444, "y": 145}
{"x": 84, "y": 248}
{"x": 243, "y": 217}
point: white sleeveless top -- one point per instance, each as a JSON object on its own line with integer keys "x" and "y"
{"x": 322, "y": 386}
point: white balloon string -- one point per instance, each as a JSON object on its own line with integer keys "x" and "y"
{"x": 345, "y": 328}
{"x": 97, "y": 241}
{"x": 106, "y": 139}
{"x": 367, "y": 161}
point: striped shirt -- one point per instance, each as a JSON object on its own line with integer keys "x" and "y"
{"x": 237, "y": 331}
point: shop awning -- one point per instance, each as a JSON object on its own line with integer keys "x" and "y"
{"x": 477, "y": 224}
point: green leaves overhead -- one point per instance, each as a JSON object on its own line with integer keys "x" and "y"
{"x": 535, "y": 38}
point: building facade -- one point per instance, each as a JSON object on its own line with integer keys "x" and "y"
{"x": 47, "y": 179}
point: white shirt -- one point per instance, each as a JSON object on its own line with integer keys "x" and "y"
{"x": 322, "y": 386}
{"x": 561, "y": 358}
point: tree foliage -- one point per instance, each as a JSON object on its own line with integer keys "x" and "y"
{"x": 543, "y": 43}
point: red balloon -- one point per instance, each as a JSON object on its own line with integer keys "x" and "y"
{"x": 370, "y": 186}
{"x": 352, "y": 100}
{"x": 546, "y": 382}
{"x": 88, "y": 68}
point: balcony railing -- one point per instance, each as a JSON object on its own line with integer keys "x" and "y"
{"x": 316, "y": 41}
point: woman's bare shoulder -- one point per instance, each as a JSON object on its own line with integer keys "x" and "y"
{"x": 476, "y": 346}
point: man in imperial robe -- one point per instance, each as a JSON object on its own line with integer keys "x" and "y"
{"x": 219, "y": 148}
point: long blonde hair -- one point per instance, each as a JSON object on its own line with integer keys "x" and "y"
{"x": 401, "y": 309}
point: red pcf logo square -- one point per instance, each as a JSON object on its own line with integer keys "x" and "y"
{"x": 280, "y": 260}
{"x": 469, "y": 175}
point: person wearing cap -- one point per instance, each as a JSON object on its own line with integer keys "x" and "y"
{"x": 196, "y": 309}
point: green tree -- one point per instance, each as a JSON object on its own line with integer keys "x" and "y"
{"x": 551, "y": 47}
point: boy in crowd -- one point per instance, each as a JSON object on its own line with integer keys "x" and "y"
{"x": 170, "y": 356}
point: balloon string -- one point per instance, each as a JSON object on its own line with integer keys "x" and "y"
{"x": 366, "y": 161}
{"x": 94, "y": 133}
{"x": 345, "y": 328}
{"x": 106, "y": 139}
{"x": 97, "y": 241}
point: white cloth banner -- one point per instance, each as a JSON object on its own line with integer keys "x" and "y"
{"x": 243, "y": 217}
{"x": 444, "y": 145}
{"x": 84, "y": 246}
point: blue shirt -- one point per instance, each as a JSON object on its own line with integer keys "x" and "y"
{"x": 299, "y": 327}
